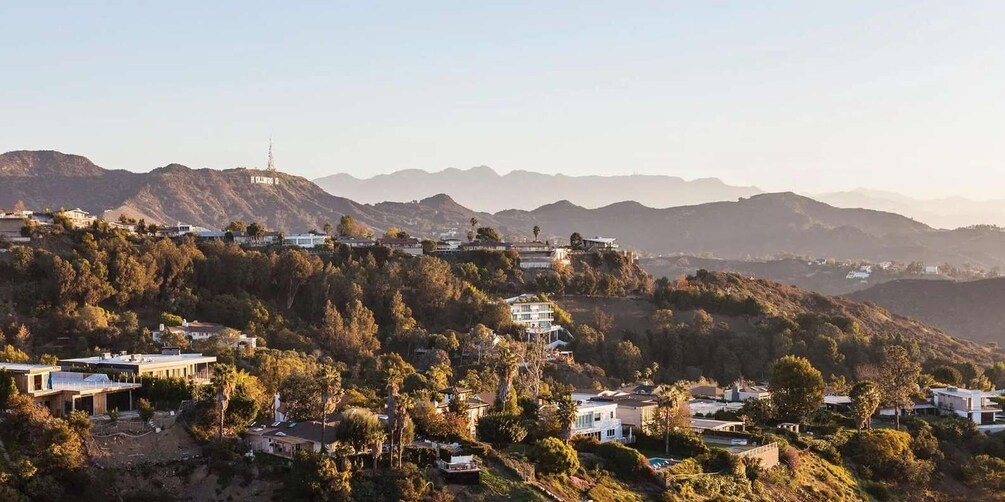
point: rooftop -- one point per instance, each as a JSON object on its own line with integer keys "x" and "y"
{"x": 27, "y": 368}
{"x": 138, "y": 359}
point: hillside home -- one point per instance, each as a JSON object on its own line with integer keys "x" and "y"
{"x": 78, "y": 218}
{"x": 477, "y": 406}
{"x": 169, "y": 363}
{"x": 484, "y": 245}
{"x": 931, "y": 270}
{"x": 599, "y": 420}
{"x": 540, "y": 255}
{"x": 711, "y": 407}
{"x": 287, "y": 438}
{"x": 409, "y": 245}
{"x": 599, "y": 244}
{"x": 305, "y": 241}
{"x": 741, "y": 393}
{"x": 449, "y": 245}
{"x": 857, "y": 275}
{"x": 63, "y": 392}
{"x": 701, "y": 425}
{"x": 537, "y": 318}
{"x": 196, "y": 331}
{"x": 972, "y": 404}
{"x": 355, "y": 242}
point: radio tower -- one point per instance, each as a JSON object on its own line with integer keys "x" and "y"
{"x": 272, "y": 164}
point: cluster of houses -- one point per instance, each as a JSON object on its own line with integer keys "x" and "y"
{"x": 101, "y": 383}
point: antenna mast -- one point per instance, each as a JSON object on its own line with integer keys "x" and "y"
{"x": 272, "y": 164}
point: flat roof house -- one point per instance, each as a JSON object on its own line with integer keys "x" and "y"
{"x": 599, "y": 420}
{"x": 169, "y": 363}
{"x": 62, "y": 392}
{"x": 972, "y": 404}
{"x": 599, "y": 243}
{"x": 198, "y": 331}
{"x": 537, "y": 318}
{"x": 305, "y": 241}
{"x": 409, "y": 245}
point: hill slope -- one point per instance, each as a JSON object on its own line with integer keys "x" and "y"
{"x": 484, "y": 189}
{"x": 966, "y": 309}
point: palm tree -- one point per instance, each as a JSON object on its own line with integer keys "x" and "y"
{"x": 566, "y": 411}
{"x": 669, "y": 401}
{"x": 537, "y": 231}
{"x": 225, "y": 381}
{"x": 508, "y": 362}
{"x": 331, "y": 390}
{"x": 328, "y": 228}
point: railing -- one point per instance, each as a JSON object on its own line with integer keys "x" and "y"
{"x": 86, "y": 385}
{"x": 458, "y": 467}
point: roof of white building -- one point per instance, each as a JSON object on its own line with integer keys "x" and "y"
{"x": 140, "y": 359}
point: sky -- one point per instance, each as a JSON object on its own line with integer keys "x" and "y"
{"x": 807, "y": 96}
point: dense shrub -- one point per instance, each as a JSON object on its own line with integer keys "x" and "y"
{"x": 985, "y": 471}
{"x": 626, "y": 462}
{"x": 553, "y": 456}
{"x": 501, "y": 429}
{"x": 886, "y": 454}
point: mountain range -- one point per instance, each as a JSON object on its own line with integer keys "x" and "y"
{"x": 759, "y": 226}
{"x": 484, "y": 189}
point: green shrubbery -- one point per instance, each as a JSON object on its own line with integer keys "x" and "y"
{"x": 553, "y": 456}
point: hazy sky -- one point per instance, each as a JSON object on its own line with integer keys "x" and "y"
{"x": 803, "y": 95}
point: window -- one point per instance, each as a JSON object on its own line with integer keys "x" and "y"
{"x": 612, "y": 415}
{"x": 583, "y": 421}
{"x": 610, "y": 433}
{"x": 38, "y": 382}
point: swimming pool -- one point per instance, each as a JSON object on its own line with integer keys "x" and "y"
{"x": 660, "y": 463}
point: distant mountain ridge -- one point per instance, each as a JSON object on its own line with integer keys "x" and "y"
{"x": 761, "y": 226}
{"x": 951, "y": 212}
{"x": 483, "y": 189}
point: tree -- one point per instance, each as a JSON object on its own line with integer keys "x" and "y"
{"x": 316, "y": 477}
{"x": 507, "y": 362}
{"x": 627, "y": 360}
{"x": 672, "y": 414}
{"x": 566, "y": 410}
{"x": 888, "y": 455}
{"x": 501, "y": 429}
{"x": 797, "y": 388}
{"x": 360, "y": 430}
{"x": 898, "y": 379}
{"x": 256, "y": 231}
{"x": 328, "y": 228}
{"x": 236, "y": 226}
{"x": 864, "y": 401}
{"x": 330, "y": 381}
{"x": 224, "y": 381}
{"x": 553, "y": 456}
{"x": 474, "y": 223}
{"x": 349, "y": 227}
{"x": 488, "y": 234}
{"x": 576, "y": 241}
{"x": 146, "y": 409}
{"x": 537, "y": 231}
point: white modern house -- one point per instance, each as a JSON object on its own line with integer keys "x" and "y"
{"x": 742, "y": 393}
{"x": 537, "y": 317}
{"x": 599, "y": 420}
{"x": 599, "y": 243}
{"x": 972, "y": 404}
{"x": 305, "y": 241}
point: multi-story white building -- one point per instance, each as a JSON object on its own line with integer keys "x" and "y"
{"x": 974, "y": 405}
{"x": 537, "y": 317}
{"x": 306, "y": 241}
{"x": 599, "y": 420}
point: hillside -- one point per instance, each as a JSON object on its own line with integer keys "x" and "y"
{"x": 966, "y": 309}
{"x": 754, "y": 321}
{"x": 174, "y": 193}
{"x": 484, "y": 189}
{"x": 766, "y": 226}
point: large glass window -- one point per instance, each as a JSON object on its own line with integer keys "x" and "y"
{"x": 584, "y": 421}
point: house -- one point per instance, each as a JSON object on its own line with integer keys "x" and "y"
{"x": 78, "y": 218}
{"x": 476, "y": 405}
{"x": 973, "y": 404}
{"x": 196, "y": 331}
{"x": 537, "y": 317}
{"x": 169, "y": 363}
{"x": 408, "y": 245}
{"x": 635, "y": 411}
{"x": 931, "y": 270}
{"x": 857, "y": 275}
{"x": 355, "y": 242}
{"x": 305, "y": 241}
{"x": 741, "y": 393}
{"x": 485, "y": 245}
{"x": 837, "y": 403}
{"x": 599, "y": 244}
{"x": 599, "y": 420}
{"x": 449, "y": 245}
{"x": 540, "y": 255}
{"x": 63, "y": 392}
{"x": 711, "y": 407}
{"x": 701, "y": 425}
{"x": 287, "y": 438}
